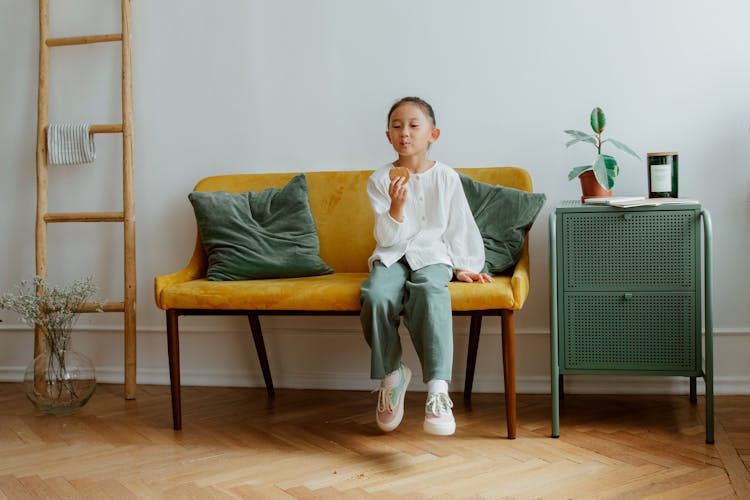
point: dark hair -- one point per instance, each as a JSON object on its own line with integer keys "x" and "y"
{"x": 424, "y": 106}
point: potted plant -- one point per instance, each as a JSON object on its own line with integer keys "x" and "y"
{"x": 60, "y": 380}
{"x": 598, "y": 178}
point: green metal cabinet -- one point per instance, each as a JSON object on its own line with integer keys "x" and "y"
{"x": 625, "y": 295}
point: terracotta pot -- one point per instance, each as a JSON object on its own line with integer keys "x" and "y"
{"x": 590, "y": 187}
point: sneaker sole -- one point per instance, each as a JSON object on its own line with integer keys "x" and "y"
{"x": 439, "y": 428}
{"x": 388, "y": 427}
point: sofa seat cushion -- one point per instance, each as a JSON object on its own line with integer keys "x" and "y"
{"x": 482, "y": 296}
{"x": 332, "y": 292}
{"x": 329, "y": 292}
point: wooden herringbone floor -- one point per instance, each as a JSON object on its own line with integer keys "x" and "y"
{"x": 324, "y": 444}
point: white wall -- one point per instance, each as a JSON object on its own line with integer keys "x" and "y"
{"x": 292, "y": 85}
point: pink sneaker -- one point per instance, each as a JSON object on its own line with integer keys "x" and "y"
{"x": 390, "y": 408}
{"x": 438, "y": 416}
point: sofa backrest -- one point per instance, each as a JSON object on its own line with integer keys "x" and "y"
{"x": 341, "y": 209}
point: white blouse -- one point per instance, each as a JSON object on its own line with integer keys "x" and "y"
{"x": 438, "y": 227}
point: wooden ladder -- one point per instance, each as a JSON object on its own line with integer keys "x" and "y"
{"x": 127, "y": 216}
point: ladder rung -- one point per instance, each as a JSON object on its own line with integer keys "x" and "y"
{"x": 114, "y": 128}
{"x": 82, "y": 40}
{"x": 108, "y": 128}
{"x": 90, "y": 307}
{"x": 85, "y": 217}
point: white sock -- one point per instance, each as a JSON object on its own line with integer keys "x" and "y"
{"x": 393, "y": 378}
{"x": 435, "y": 386}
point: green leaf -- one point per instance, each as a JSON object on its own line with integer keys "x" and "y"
{"x": 578, "y": 136}
{"x": 576, "y": 171}
{"x": 613, "y": 169}
{"x": 601, "y": 173}
{"x": 623, "y": 147}
{"x": 590, "y": 140}
{"x": 598, "y": 120}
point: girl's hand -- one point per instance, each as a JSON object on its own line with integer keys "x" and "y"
{"x": 397, "y": 191}
{"x": 470, "y": 277}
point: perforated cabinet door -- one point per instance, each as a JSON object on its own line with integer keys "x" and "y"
{"x": 636, "y": 332}
{"x": 623, "y": 250}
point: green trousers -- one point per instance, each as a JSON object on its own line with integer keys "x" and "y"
{"x": 422, "y": 297}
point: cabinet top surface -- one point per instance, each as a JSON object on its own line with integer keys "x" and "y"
{"x": 577, "y": 206}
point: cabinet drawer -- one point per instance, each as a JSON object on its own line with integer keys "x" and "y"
{"x": 629, "y": 250}
{"x": 630, "y": 332}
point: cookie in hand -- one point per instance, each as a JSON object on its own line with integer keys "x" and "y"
{"x": 399, "y": 172}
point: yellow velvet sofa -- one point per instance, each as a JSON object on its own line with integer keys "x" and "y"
{"x": 344, "y": 222}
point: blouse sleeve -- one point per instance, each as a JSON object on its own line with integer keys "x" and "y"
{"x": 388, "y": 231}
{"x": 464, "y": 241}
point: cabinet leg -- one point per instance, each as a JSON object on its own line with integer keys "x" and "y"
{"x": 561, "y": 383}
{"x": 556, "y": 396}
{"x": 709, "y": 417}
{"x": 693, "y": 391}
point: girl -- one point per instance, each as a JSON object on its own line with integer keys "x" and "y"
{"x": 425, "y": 235}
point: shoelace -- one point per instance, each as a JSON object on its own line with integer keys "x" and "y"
{"x": 438, "y": 403}
{"x": 385, "y": 398}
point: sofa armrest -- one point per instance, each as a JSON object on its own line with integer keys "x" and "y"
{"x": 195, "y": 269}
{"x": 519, "y": 281}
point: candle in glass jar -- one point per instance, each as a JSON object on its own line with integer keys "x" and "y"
{"x": 662, "y": 175}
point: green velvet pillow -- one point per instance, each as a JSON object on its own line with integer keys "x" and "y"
{"x": 268, "y": 234}
{"x": 504, "y": 216}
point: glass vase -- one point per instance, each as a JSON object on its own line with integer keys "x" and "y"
{"x": 60, "y": 381}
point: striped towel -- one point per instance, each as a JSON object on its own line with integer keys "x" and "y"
{"x": 69, "y": 144}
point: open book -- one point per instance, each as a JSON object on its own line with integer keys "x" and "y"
{"x": 639, "y": 201}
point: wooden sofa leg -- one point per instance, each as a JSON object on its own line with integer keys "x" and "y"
{"x": 173, "y": 349}
{"x": 260, "y": 348}
{"x": 471, "y": 358}
{"x": 509, "y": 369}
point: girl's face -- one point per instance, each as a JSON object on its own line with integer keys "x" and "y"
{"x": 410, "y": 130}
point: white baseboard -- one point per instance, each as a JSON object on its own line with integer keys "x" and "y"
{"x": 330, "y": 355}
{"x": 574, "y": 384}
